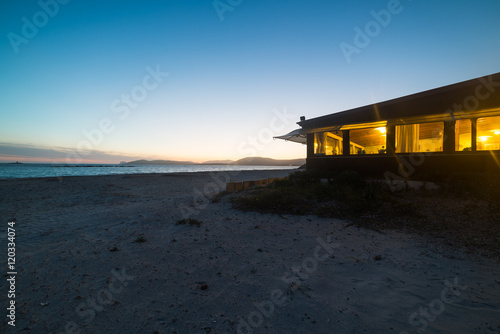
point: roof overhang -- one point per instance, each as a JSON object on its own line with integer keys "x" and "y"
{"x": 296, "y": 136}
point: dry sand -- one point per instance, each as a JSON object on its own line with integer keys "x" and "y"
{"x": 80, "y": 271}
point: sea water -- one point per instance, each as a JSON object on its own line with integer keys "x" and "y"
{"x": 28, "y": 170}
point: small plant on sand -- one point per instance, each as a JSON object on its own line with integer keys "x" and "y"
{"x": 140, "y": 240}
{"x": 189, "y": 221}
{"x": 218, "y": 197}
{"x": 300, "y": 287}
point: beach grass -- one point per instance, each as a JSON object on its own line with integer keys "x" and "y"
{"x": 463, "y": 211}
{"x": 342, "y": 195}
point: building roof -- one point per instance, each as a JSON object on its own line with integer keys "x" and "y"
{"x": 295, "y": 136}
{"x": 480, "y": 94}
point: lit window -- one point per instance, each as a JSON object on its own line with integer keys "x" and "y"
{"x": 463, "y": 135}
{"x": 488, "y": 133}
{"x": 423, "y": 137}
{"x": 328, "y": 143}
{"x": 368, "y": 141}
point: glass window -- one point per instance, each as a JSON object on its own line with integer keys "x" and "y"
{"x": 328, "y": 143}
{"x": 488, "y": 133}
{"x": 463, "y": 135}
{"x": 423, "y": 137}
{"x": 368, "y": 141}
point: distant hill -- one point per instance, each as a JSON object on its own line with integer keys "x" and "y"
{"x": 218, "y": 162}
{"x": 259, "y": 161}
{"x": 250, "y": 161}
{"x": 160, "y": 162}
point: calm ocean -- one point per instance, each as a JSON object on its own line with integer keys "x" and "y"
{"x": 9, "y": 171}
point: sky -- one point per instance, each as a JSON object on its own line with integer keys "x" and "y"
{"x": 198, "y": 80}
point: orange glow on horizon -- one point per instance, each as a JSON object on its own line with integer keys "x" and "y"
{"x": 14, "y": 159}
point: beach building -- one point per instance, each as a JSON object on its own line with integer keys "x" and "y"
{"x": 454, "y": 128}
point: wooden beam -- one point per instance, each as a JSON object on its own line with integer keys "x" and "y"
{"x": 449, "y": 137}
{"x": 390, "y": 139}
{"x": 310, "y": 145}
{"x": 346, "y": 143}
{"x": 473, "y": 124}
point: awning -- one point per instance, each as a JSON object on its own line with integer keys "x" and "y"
{"x": 295, "y": 136}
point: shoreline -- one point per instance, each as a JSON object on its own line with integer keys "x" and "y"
{"x": 160, "y": 173}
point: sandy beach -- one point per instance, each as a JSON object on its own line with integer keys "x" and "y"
{"x": 105, "y": 255}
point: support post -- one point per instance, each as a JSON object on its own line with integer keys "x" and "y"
{"x": 473, "y": 127}
{"x": 449, "y": 137}
{"x": 346, "y": 142}
{"x": 310, "y": 145}
{"x": 390, "y": 139}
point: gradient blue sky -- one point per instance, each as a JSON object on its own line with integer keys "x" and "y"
{"x": 227, "y": 78}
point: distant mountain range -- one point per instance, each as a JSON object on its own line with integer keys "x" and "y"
{"x": 159, "y": 162}
{"x": 250, "y": 161}
{"x": 258, "y": 161}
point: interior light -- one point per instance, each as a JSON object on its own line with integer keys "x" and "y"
{"x": 382, "y": 130}
{"x": 483, "y": 138}
{"x": 497, "y": 132}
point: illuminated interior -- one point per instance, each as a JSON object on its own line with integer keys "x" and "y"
{"x": 368, "y": 141}
{"x": 463, "y": 135}
{"x": 328, "y": 143}
{"x": 423, "y": 137}
{"x": 488, "y": 133}
{"x": 409, "y": 138}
